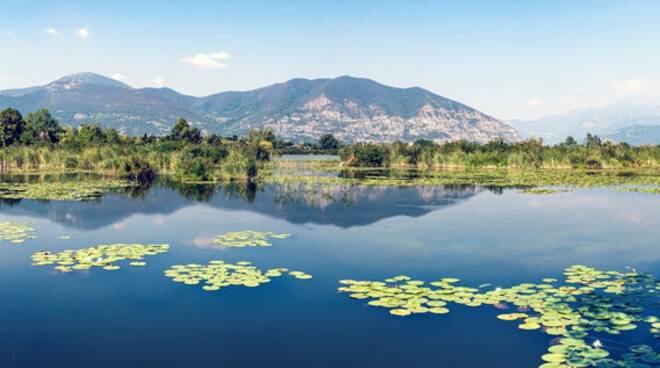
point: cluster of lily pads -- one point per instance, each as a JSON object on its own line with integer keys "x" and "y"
{"x": 61, "y": 190}
{"x": 248, "y": 238}
{"x": 15, "y": 232}
{"x": 104, "y": 256}
{"x": 589, "y": 303}
{"x": 218, "y": 274}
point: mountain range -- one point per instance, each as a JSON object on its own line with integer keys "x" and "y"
{"x": 635, "y": 121}
{"x": 353, "y": 109}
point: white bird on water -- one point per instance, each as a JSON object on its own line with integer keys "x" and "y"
{"x": 597, "y": 344}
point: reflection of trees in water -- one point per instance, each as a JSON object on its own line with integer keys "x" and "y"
{"x": 9, "y": 201}
{"x": 316, "y": 195}
{"x": 203, "y": 192}
{"x": 322, "y": 195}
{"x": 312, "y": 195}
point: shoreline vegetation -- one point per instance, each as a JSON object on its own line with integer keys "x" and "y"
{"x": 38, "y": 144}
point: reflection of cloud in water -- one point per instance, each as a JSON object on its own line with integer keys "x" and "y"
{"x": 632, "y": 217}
{"x": 617, "y": 208}
{"x": 205, "y": 241}
{"x": 589, "y": 226}
{"x": 119, "y": 225}
{"x": 158, "y": 220}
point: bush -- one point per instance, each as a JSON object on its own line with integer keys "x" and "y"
{"x": 136, "y": 169}
{"x": 593, "y": 164}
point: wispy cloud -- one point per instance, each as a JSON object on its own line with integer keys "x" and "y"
{"x": 119, "y": 77}
{"x": 10, "y": 34}
{"x": 207, "y": 61}
{"x": 82, "y": 33}
{"x": 158, "y": 81}
{"x": 634, "y": 85}
{"x": 534, "y": 102}
{"x": 51, "y": 31}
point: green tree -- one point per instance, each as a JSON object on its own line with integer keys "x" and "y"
{"x": 41, "y": 126}
{"x": 91, "y": 134}
{"x": 112, "y": 136}
{"x": 593, "y": 141}
{"x": 328, "y": 142}
{"x": 182, "y": 131}
{"x": 11, "y": 126}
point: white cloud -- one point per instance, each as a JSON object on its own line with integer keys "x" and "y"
{"x": 534, "y": 102}
{"x": 119, "y": 77}
{"x": 82, "y": 33}
{"x": 207, "y": 61}
{"x": 634, "y": 85}
{"x": 51, "y": 31}
{"x": 158, "y": 81}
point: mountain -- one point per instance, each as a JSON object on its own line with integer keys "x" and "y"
{"x": 608, "y": 121}
{"x": 636, "y": 134}
{"x": 353, "y": 109}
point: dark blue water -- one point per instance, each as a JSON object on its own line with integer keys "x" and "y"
{"x": 136, "y": 317}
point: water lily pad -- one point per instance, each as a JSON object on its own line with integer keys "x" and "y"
{"x": 101, "y": 256}
{"x": 62, "y": 190}
{"x": 15, "y": 233}
{"x": 588, "y": 301}
{"x": 248, "y": 238}
{"x": 219, "y": 274}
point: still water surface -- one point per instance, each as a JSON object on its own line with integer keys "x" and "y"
{"x": 136, "y": 317}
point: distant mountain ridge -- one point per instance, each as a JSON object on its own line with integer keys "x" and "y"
{"x": 633, "y": 121}
{"x": 636, "y": 134}
{"x": 353, "y": 109}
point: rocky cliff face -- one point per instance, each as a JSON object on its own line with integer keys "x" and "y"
{"x": 350, "y": 122}
{"x": 353, "y": 109}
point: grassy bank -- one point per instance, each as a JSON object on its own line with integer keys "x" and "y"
{"x": 593, "y": 154}
{"x": 188, "y": 163}
{"x": 38, "y": 144}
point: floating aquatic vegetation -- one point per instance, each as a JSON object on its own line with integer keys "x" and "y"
{"x": 248, "y": 238}
{"x": 587, "y": 304}
{"x": 14, "y": 232}
{"x": 544, "y": 191}
{"x": 61, "y": 190}
{"x": 485, "y": 177}
{"x": 650, "y": 190}
{"x": 217, "y": 274}
{"x": 103, "y": 256}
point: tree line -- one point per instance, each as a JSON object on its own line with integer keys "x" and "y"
{"x": 39, "y": 142}
{"x": 593, "y": 153}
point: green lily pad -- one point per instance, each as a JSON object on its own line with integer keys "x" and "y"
{"x": 101, "y": 256}
{"x": 240, "y": 239}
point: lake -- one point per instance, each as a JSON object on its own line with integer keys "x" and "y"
{"x": 137, "y": 317}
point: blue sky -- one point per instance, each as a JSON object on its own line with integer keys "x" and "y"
{"x": 511, "y": 59}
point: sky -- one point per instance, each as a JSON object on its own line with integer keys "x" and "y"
{"x": 511, "y": 59}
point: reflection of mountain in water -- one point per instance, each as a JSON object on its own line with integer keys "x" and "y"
{"x": 338, "y": 205}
